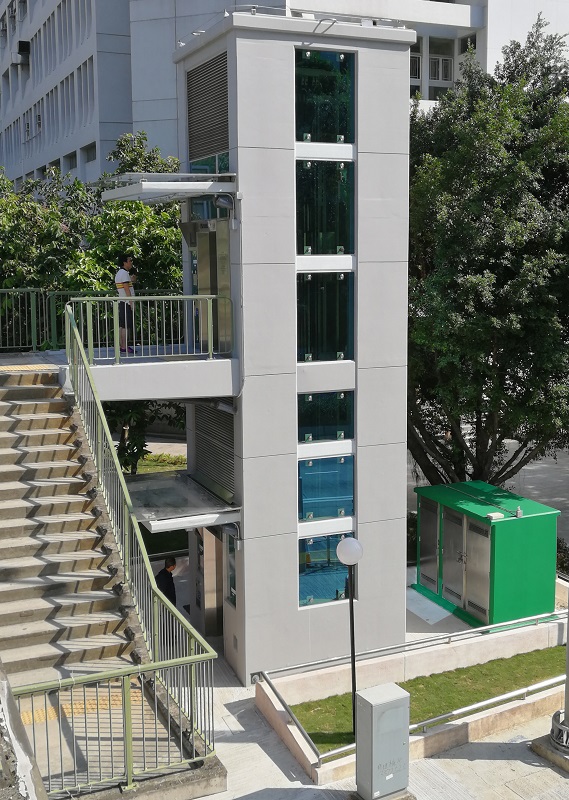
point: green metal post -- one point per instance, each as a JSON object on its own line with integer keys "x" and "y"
{"x": 90, "y": 332}
{"x": 209, "y": 327}
{"x": 116, "y": 335}
{"x": 34, "y": 310}
{"x": 155, "y": 628}
{"x": 52, "y": 314}
{"x": 128, "y": 748}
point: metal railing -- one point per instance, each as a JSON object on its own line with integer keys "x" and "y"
{"x": 348, "y": 749}
{"x": 162, "y": 326}
{"x": 173, "y": 710}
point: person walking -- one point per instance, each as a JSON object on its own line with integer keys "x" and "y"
{"x": 165, "y": 580}
{"x": 125, "y": 289}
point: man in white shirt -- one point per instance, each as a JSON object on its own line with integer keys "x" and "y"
{"x": 125, "y": 289}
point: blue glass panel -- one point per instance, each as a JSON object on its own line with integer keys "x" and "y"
{"x": 325, "y": 316}
{"x": 326, "y": 488}
{"x": 321, "y": 577}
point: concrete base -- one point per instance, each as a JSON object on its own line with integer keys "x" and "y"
{"x": 543, "y": 747}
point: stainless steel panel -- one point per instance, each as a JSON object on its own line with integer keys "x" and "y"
{"x": 429, "y": 553}
{"x": 477, "y": 584}
{"x": 453, "y": 557}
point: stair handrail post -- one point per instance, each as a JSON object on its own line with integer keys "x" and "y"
{"x": 209, "y": 327}
{"x": 90, "y": 351}
{"x": 128, "y": 745}
{"x": 34, "y": 321}
{"x": 155, "y": 633}
{"x": 52, "y": 316}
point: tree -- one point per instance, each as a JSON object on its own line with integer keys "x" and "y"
{"x": 132, "y": 155}
{"x": 489, "y": 289}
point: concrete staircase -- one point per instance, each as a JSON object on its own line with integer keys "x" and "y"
{"x": 60, "y": 613}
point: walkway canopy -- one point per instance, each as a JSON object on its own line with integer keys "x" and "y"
{"x": 155, "y": 187}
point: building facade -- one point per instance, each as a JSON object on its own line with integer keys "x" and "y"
{"x": 76, "y": 74}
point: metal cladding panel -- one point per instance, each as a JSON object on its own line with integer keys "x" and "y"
{"x": 215, "y": 448}
{"x": 208, "y": 108}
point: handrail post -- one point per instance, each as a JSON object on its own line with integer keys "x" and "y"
{"x": 155, "y": 629}
{"x": 128, "y": 748}
{"x": 116, "y": 334}
{"x": 89, "y": 305}
{"x": 34, "y": 311}
{"x": 52, "y": 315}
{"x": 209, "y": 327}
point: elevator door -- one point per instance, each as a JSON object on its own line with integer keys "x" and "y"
{"x": 453, "y": 557}
{"x": 213, "y": 277}
{"x": 429, "y": 565}
{"x": 477, "y": 580}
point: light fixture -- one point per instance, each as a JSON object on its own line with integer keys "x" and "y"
{"x": 349, "y": 552}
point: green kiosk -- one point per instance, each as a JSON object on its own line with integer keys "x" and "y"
{"x": 485, "y": 553}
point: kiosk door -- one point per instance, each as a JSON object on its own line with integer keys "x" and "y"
{"x": 477, "y": 582}
{"x": 429, "y": 545}
{"x": 453, "y": 557}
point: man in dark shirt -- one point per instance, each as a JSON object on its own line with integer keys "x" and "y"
{"x": 165, "y": 580}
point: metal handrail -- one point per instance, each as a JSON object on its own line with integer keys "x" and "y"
{"x": 418, "y": 644}
{"x": 347, "y": 749}
{"x": 180, "y": 661}
{"x": 162, "y": 325}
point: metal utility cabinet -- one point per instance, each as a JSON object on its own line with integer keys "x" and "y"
{"x": 485, "y": 553}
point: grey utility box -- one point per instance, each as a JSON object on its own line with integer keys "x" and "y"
{"x": 382, "y": 741}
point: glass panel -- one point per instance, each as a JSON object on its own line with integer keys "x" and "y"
{"x": 434, "y": 69}
{"x": 231, "y": 590}
{"x": 205, "y": 166}
{"x": 447, "y": 64}
{"x": 324, "y": 96}
{"x": 436, "y": 92}
{"x": 324, "y": 207}
{"x": 223, "y": 162}
{"x": 326, "y": 488}
{"x": 322, "y": 578}
{"x": 325, "y": 416}
{"x": 441, "y": 47}
{"x": 415, "y": 67}
{"x": 325, "y": 316}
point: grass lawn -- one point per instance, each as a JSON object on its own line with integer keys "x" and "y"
{"x": 160, "y": 462}
{"x": 328, "y": 722}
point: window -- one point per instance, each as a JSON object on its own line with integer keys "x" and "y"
{"x": 70, "y": 160}
{"x": 324, "y": 207}
{"x": 325, "y": 316}
{"x": 326, "y": 488}
{"x": 89, "y": 153}
{"x": 325, "y": 416}
{"x": 324, "y": 96}
{"x": 231, "y": 584}
{"x": 440, "y": 69}
{"x": 322, "y": 578}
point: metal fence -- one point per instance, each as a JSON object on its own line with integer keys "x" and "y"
{"x": 111, "y": 727}
{"x": 162, "y": 326}
{"x": 169, "y": 326}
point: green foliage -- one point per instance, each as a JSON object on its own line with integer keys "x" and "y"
{"x": 489, "y": 290}
{"x": 562, "y": 556}
{"x": 132, "y": 155}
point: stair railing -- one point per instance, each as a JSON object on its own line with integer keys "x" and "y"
{"x": 176, "y": 684}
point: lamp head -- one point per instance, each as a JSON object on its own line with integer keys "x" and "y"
{"x": 349, "y": 551}
{"x": 224, "y": 201}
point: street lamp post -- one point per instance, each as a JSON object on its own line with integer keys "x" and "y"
{"x": 349, "y": 552}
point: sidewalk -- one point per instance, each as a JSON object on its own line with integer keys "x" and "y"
{"x": 501, "y": 767}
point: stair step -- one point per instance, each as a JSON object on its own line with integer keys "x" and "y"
{"x": 28, "y": 378}
{"x": 31, "y": 609}
{"x": 14, "y": 490}
{"x": 51, "y": 585}
{"x": 41, "y": 470}
{"x": 10, "y": 393}
{"x": 13, "y": 569}
{"x": 33, "y": 455}
{"x": 29, "y": 420}
{"x": 68, "y": 670}
{"x": 103, "y": 646}
{"x": 17, "y": 508}
{"x": 41, "y": 544}
{"x": 60, "y": 629}
{"x": 48, "y": 405}
{"x": 33, "y": 438}
{"x": 55, "y": 523}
